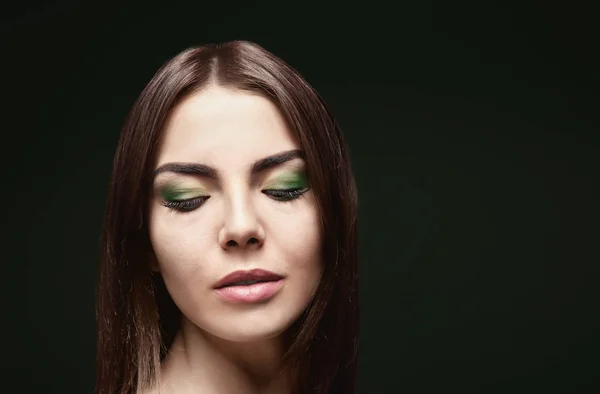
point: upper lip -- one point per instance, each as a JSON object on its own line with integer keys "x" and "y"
{"x": 255, "y": 274}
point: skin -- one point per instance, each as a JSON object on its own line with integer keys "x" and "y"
{"x": 225, "y": 347}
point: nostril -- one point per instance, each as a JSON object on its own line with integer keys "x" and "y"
{"x": 231, "y": 243}
{"x": 252, "y": 241}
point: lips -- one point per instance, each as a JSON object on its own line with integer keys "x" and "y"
{"x": 247, "y": 278}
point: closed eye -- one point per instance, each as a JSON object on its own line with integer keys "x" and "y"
{"x": 285, "y": 194}
{"x": 186, "y": 205}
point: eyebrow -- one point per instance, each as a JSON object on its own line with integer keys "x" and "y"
{"x": 204, "y": 170}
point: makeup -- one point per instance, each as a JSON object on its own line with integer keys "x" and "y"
{"x": 248, "y": 294}
{"x": 183, "y": 199}
{"x": 291, "y": 180}
{"x": 287, "y": 186}
{"x": 178, "y": 193}
{"x": 249, "y": 286}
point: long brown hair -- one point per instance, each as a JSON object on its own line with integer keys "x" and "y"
{"x": 137, "y": 320}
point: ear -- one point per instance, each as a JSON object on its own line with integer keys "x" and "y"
{"x": 153, "y": 261}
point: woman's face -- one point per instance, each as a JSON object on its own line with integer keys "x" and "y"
{"x": 231, "y": 195}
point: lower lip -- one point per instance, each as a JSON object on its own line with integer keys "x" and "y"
{"x": 250, "y": 293}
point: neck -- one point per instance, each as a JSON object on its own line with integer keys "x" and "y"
{"x": 200, "y": 362}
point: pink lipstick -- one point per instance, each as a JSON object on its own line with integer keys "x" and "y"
{"x": 249, "y": 286}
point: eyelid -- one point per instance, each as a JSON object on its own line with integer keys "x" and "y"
{"x": 297, "y": 179}
{"x": 182, "y": 193}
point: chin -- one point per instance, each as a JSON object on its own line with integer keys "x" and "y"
{"x": 246, "y": 335}
{"x": 251, "y": 325}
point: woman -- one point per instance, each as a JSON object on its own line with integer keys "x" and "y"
{"x": 229, "y": 243}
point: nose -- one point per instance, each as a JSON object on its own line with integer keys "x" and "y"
{"x": 241, "y": 228}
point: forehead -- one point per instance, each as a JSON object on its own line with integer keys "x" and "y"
{"x": 226, "y": 128}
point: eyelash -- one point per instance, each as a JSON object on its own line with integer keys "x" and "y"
{"x": 185, "y": 205}
{"x": 285, "y": 195}
{"x": 191, "y": 204}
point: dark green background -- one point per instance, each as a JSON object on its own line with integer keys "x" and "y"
{"x": 474, "y": 136}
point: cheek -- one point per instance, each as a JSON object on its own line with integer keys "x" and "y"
{"x": 298, "y": 238}
{"x": 178, "y": 246}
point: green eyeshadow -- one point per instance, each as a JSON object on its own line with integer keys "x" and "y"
{"x": 287, "y": 181}
{"x": 170, "y": 193}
